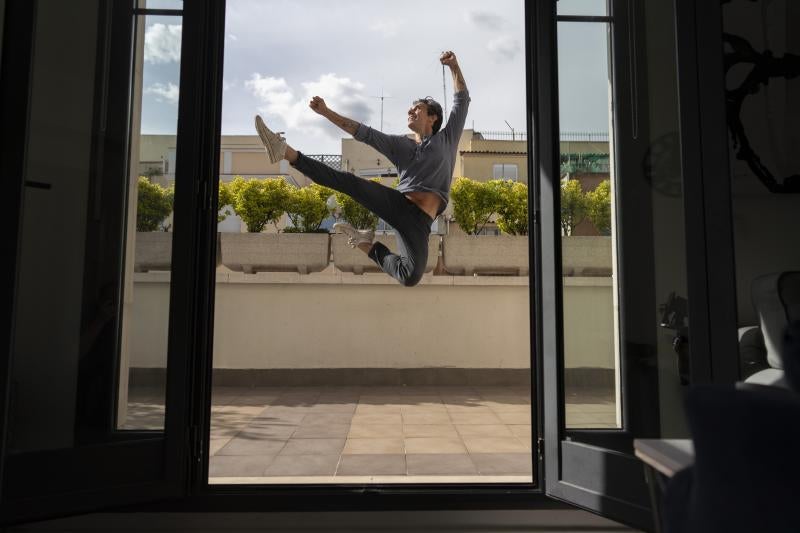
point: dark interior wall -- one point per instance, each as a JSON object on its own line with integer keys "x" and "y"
{"x": 661, "y": 166}
{"x": 53, "y": 226}
{"x": 766, "y": 222}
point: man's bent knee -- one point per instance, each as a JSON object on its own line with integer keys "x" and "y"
{"x": 412, "y": 280}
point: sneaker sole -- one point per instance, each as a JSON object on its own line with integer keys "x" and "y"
{"x": 263, "y": 134}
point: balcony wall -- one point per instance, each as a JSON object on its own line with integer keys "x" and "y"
{"x": 332, "y": 320}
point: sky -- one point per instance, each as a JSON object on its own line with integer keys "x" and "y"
{"x": 279, "y": 53}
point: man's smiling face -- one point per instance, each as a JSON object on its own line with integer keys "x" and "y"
{"x": 419, "y": 121}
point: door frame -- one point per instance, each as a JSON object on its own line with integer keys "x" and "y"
{"x": 150, "y": 466}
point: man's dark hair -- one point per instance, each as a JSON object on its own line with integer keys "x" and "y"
{"x": 433, "y": 109}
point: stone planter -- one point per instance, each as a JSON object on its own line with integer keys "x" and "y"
{"x": 153, "y": 251}
{"x": 485, "y": 254}
{"x": 348, "y": 259}
{"x": 586, "y": 256}
{"x": 275, "y": 252}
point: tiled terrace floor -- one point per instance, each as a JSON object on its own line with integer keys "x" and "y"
{"x": 373, "y": 434}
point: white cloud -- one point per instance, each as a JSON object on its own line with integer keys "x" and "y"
{"x": 504, "y": 48}
{"x": 162, "y": 43}
{"x": 279, "y": 100}
{"x": 233, "y": 37}
{"x": 387, "y": 28}
{"x": 227, "y": 85}
{"x": 486, "y": 20}
{"x": 164, "y": 92}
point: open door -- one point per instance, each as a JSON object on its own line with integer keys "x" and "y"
{"x": 94, "y": 407}
{"x": 645, "y": 307}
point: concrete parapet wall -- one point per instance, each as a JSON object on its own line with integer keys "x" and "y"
{"x": 274, "y": 320}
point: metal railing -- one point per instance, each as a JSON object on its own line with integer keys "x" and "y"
{"x": 565, "y": 136}
{"x": 572, "y": 163}
{"x": 332, "y": 160}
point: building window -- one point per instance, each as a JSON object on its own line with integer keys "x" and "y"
{"x": 504, "y": 171}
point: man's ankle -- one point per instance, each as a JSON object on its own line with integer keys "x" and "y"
{"x": 291, "y": 155}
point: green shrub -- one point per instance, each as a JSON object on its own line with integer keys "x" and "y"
{"x": 356, "y": 214}
{"x": 259, "y": 201}
{"x": 225, "y": 198}
{"x": 154, "y": 205}
{"x": 474, "y": 203}
{"x": 573, "y": 205}
{"x": 598, "y": 207}
{"x": 307, "y": 208}
{"x": 512, "y": 206}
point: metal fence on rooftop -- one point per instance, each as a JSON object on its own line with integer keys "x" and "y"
{"x": 565, "y": 136}
{"x": 332, "y": 160}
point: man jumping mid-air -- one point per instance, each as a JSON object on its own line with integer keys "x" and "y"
{"x": 425, "y": 165}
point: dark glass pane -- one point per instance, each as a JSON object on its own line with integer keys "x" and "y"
{"x": 151, "y": 185}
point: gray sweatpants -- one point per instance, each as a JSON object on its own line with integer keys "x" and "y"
{"x": 412, "y": 224}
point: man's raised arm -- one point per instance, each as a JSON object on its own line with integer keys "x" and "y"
{"x": 449, "y": 58}
{"x": 318, "y": 106}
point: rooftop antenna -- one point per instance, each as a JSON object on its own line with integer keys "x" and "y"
{"x": 382, "y": 97}
{"x": 513, "y": 137}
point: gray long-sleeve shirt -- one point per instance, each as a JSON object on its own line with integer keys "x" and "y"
{"x": 427, "y": 166}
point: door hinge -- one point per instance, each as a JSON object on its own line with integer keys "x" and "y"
{"x": 540, "y": 448}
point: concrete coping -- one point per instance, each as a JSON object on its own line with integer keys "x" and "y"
{"x": 347, "y": 278}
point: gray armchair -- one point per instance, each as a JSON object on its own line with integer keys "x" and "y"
{"x": 776, "y": 298}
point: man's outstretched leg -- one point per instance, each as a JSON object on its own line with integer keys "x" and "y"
{"x": 411, "y": 224}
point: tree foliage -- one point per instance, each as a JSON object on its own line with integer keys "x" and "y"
{"x": 573, "y": 205}
{"x": 154, "y": 205}
{"x": 356, "y": 214}
{"x": 225, "y": 199}
{"x": 474, "y": 203}
{"x": 307, "y": 207}
{"x": 598, "y": 207}
{"x": 512, "y": 206}
{"x": 259, "y": 201}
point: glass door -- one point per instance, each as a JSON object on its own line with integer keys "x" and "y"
{"x": 95, "y": 403}
{"x": 615, "y": 227}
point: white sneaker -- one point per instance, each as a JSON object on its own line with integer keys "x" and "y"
{"x": 357, "y": 236}
{"x": 273, "y": 143}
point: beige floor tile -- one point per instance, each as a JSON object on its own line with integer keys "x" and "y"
{"x": 476, "y": 409}
{"x": 326, "y": 418}
{"x": 434, "y": 445}
{"x": 502, "y": 463}
{"x": 440, "y": 464}
{"x": 216, "y": 445}
{"x": 303, "y": 465}
{"x": 319, "y": 431}
{"x": 257, "y": 431}
{"x": 520, "y": 430}
{"x": 348, "y": 408}
{"x": 366, "y": 409}
{"x": 423, "y": 409}
{"x": 514, "y": 418}
{"x": 484, "y": 430}
{"x": 384, "y": 418}
{"x": 429, "y": 430}
{"x": 426, "y": 418}
{"x": 239, "y": 465}
{"x": 313, "y": 447}
{"x": 384, "y": 445}
{"x": 494, "y": 445}
{"x": 251, "y": 446}
{"x": 372, "y": 465}
{"x": 501, "y": 407}
{"x": 375, "y": 430}
{"x": 481, "y": 418}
